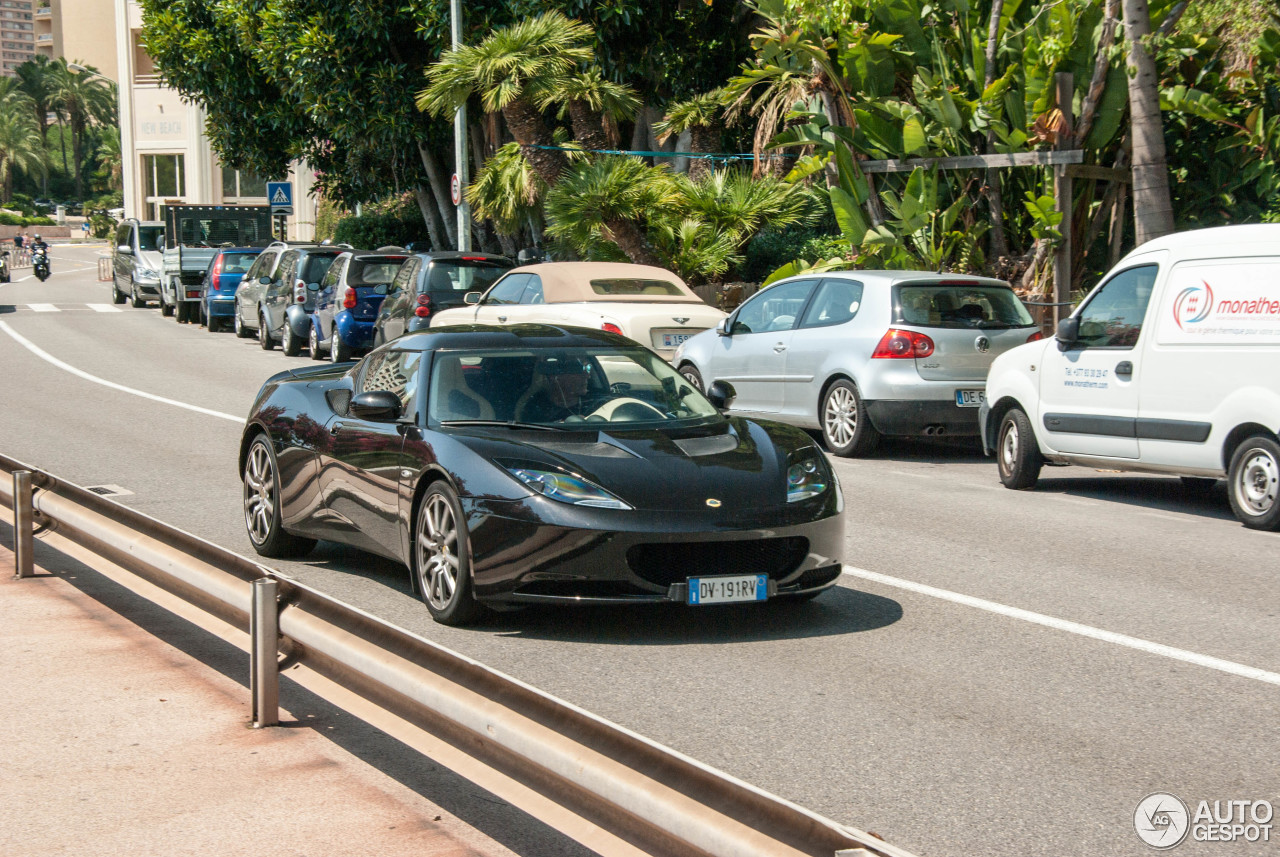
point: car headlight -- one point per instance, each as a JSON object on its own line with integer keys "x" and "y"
{"x": 144, "y": 274}
{"x": 806, "y": 475}
{"x": 566, "y": 488}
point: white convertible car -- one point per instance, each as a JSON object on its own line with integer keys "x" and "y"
{"x": 650, "y": 305}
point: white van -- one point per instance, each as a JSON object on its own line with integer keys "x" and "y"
{"x": 1171, "y": 365}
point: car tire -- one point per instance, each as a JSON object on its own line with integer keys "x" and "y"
{"x": 261, "y": 483}
{"x": 117, "y": 297}
{"x": 846, "y": 428}
{"x": 241, "y": 331}
{"x": 313, "y": 341}
{"x": 166, "y": 310}
{"x": 291, "y": 344}
{"x": 1253, "y": 483}
{"x": 339, "y": 351}
{"x": 1018, "y": 456}
{"x": 215, "y": 324}
{"x": 442, "y": 558}
{"x": 693, "y": 376}
{"x": 134, "y": 300}
{"x": 264, "y": 334}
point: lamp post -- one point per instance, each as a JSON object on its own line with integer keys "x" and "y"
{"x": 460, "y": 141}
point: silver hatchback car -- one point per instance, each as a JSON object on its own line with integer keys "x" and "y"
{"x": 861, "y": 354}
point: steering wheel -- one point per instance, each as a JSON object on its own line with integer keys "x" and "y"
{"x": 626, "y": 408}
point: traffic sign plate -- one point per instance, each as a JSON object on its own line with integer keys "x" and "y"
{"x": 280, "y": 197}
{"x": 455, "y": 190}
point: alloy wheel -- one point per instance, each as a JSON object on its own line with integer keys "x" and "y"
{"x": 437, "y": 547}
{"x": 840, "y": 416}
{"x": 259, "y": 494}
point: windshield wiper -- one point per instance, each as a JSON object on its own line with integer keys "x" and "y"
{"x": 500, "y": 424}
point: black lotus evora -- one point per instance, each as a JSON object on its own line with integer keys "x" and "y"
{"x": 534, "y": 463}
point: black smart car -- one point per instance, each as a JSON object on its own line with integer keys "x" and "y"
{"x": 430, "y": 282}
{"x": 534, "y": 463}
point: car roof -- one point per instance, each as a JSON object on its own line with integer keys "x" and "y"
{"x": 453, "y": 255}
{"x": 523, "y": 336}
{"x": 570, "y": 282}
{"x": 241, "y": 249}
{"x": 1263, "y": 238}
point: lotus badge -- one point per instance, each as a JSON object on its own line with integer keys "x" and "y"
{"x": 713, "y": 503}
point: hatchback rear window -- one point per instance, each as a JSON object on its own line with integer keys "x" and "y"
{"x": 960, "y": 306}
{"x": 316, "y": 266}
{"x": 237, "y": 263}
{"x": 464, "y": 275}
{"x": 624, "y": 287}
{"x": 372, "y": 273}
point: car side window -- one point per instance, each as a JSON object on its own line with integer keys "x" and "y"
{"x": 1113, "y": 316}
{"x": 836, "y": 302}
{"x": 393, "y": 371}
{"x": 406, "y": 275}
{"x": 774, "y": 309}
{"x": 287, "y": 265}
{"x": 507, "y": 290}
{"x": 122, "y": 234}
{"x": 261, "y": 267}
{"x": 334, "y": 274}
{"x": 533, "y": 291}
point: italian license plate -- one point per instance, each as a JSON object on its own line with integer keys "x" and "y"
{"x": 970, "y": 398}
{"x": 671, "y": 340}
{"x": 728, "y": 590}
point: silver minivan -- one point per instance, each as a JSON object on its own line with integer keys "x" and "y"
{"x": 136, "y": 262}
{"x": 862, "y": 354}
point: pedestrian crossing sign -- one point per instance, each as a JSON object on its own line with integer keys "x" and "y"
{"x": 280, "y": 197}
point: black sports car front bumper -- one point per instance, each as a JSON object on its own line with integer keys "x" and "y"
{"x": 611, "y": 556}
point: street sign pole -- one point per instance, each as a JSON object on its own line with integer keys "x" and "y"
{"x": 460, "y": 139}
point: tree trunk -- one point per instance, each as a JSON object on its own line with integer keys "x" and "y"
{"x": 441, "y": 191}
{"x": 430, "y": 217}
{"x": 1152, "y": 205}
{"x": 703, "y": 140}
{"x": 77, "y": 152}
{"x": 526, "y": 125}
{"x": 991, "y": 181}
{"x": 1089, "y": 107}
{"x": 630, "y": 238}
{"x": 588, "y": 126}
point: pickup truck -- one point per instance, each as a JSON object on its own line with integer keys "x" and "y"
{"x": 193, "y": 234}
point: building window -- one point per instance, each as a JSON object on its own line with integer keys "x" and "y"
{"x": 163, "y": 178}
{"x": 242, "y": 185}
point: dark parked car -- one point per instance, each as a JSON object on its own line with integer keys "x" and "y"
{"x": 533, "y": 463}
{"x": 218, "y": 291}
{"x": 347, "y": 302}
{"x": 431, "y": 282}
{"x": 275, "y": 285}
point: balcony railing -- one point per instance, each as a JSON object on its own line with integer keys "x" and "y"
{"x": 44, "y": 39}
{"x": 146, "y": 80}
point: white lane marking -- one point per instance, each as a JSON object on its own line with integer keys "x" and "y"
{"x": 104, "y": 308}
{"x": 49, "y": 358}
{"x": 1068, "y": 626}
{"x": 43, "y": 308}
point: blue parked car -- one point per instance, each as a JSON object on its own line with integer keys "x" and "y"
{"x": 218, "y": 291}
{"x": 347, "y": 303}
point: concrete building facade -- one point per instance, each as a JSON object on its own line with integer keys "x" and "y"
{"x": 79, "y": 29}
{"x": 165, "y": 151}
{"x": 18, "y": 34}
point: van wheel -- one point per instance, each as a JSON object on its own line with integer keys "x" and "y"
{"x": 1253, "y": 481}
{"x": 1017, "y": 455}
{"x": 135, "y": 301}
{"x": 845, "y": 425}
{"x": 117, "y": 296}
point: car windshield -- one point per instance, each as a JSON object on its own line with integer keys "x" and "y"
{"x": 151, "y": 238}
{"x": 961, "y": 306}
{"x": 372, "y": 272}
{"x": 626, "y": 286}
{"x": 568, "y": 388}
{"x": 464, "y": 275}
{"x": 237, "y": 263}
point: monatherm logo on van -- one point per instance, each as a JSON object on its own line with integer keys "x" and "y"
{"x": 1193, "y": 305}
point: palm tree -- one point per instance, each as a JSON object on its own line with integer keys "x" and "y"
{"x": 611, "y": 198}
{"x": 110, "y": 158}
{"x": 512, "y": 71}
{"x": 594, "y": 106}
{"x": 700, "y": 116}
{"x": 20, "y": 145}
{"x": 1152, "y": 206}
{"x": 87, "y": 98}
{"x": 37, "y": 78}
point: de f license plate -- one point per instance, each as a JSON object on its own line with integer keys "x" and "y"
{"x": 728, "y": 590}
{"x": 673, "y": 340}
{"x": 970, "y": 398}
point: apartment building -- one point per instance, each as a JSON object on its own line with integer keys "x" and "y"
{"x": 18, "y": 21}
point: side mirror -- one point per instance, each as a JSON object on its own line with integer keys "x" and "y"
{"x": 722, "y": 326}
{"x": 471, "y": 298}
{"x": 264, "y": 281}
{"x": 376, "y": 406}
{"x": 721, "y": 394}
{"x": 1068, "y": 333}
{"x": 313, "y": 287}
{"x": 124, "y": 250}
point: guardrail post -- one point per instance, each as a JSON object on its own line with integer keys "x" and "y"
{"x": 23, "y": 526}
{"x": 264, "y": 670}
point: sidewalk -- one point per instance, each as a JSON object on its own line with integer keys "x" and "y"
{"x": 117, "y": 743}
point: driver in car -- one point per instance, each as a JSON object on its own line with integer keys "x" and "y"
{"x": 559, "y": 391}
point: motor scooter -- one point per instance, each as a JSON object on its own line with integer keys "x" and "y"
{"x": 4, "y": 266}
{"x": 40, "y": 263}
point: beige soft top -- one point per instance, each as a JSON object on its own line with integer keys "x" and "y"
{"x": 570, "y": 282}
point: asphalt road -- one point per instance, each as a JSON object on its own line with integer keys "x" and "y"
{"x": 1012, "y": 675}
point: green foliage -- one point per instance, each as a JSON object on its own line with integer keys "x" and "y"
{"x": 392, "y": 221}
{"x": 772, "y": 248}
{"x": 507, "y": 191}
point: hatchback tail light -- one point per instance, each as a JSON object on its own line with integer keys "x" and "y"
{"x": 215, "y": 277}
{"x": 349, "y": 299}
{"x": 610, "y": 327}
{"x": 300, "y": 292}
{"x": 905, "y": 344}
{"x": 1035, "y": 337}
{"x": 424, "y": 307}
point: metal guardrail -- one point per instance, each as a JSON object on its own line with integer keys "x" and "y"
{"x": 657, "y": 799}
